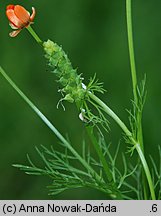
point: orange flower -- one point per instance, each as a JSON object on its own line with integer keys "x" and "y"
{"x": 19, "y": 18}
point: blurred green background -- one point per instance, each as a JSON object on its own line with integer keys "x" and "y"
{"x": 93, "y": 33}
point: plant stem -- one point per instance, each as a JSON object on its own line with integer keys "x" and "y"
{"x": 97, "y": 148}
{"x": 131, "y": 49}
{"x": 35, "y": 36}
{"x": 99, "y": 152}
{"x": 133, "y": 68}
{"x": 50, "y": 125}
{"x": 147, "y": 171}
{"x": 111, "y": 114}
{"x": 134, "y": 83}
{"x": 133, "y": 141}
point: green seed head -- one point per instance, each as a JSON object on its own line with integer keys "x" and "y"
{"x": 70, "y": 81}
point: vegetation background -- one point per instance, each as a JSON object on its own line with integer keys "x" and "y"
{"x": 93, "y": 33}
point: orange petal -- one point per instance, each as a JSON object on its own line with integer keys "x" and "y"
{"x": 10, "y": 7}
{"x": 13, "y": 18}
{"x": 33, "y": 14}
{"x": 22, "y": 14}
{"x": 14, "y": 33}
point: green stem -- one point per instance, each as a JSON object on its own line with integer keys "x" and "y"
{"x": 50, "y": 125}
{"x": 131, "y": 49}
{"x": 111, "y": 114}
{"x": 97, "y": 148}
{"x": 133, "y": 68}
{"x": 35, "y": 36}
{"x": 134, "y": 82}
{"x": 99, "y": 152}
{"x": 128, "y": 134}
{"x": 147, "y": 171}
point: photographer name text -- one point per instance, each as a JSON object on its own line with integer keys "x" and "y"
{"x": 49, "y": 208}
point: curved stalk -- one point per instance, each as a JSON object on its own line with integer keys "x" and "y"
{"x": 135, "y": 143}
{"x": 111, "y": 113}
{"x": 35, "y": 36}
